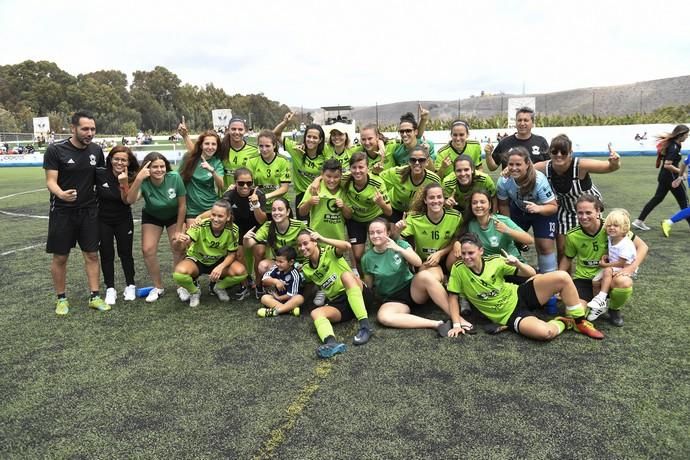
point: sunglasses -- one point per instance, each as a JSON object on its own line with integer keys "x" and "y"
{"x": 554, "y": 154}
{"x": 242, "y": 183}
{"x": 417, "y": 160}
{"x": 405, "y": 131}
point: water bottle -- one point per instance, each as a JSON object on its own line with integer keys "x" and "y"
{"x": 144, "y": 291}
{"x": 552, "y": 306}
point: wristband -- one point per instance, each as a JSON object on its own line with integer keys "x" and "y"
{"x": 457, "y": 325}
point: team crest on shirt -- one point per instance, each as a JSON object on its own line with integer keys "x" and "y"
{"x": 396, "y": 259}
{"x": 209, "y": 174}
{"x": 92, "y": 159}
{"x": 493, "y": 241}
{"x": 171, "y": 193}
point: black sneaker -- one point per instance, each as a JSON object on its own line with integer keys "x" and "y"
{"x": 243, "y": 293}
{"x": 362, "y": 336}
{"x": 616, "y": 318}
{"x": 444, "y": 329}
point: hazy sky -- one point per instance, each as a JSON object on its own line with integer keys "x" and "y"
{"x": 315, "y": 53}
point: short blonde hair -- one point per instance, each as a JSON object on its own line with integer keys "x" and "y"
{"x": 619, "y": 217}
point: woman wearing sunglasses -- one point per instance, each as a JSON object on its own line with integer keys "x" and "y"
{"x": 569, "y": 178}
{"x": 397, "y": 152}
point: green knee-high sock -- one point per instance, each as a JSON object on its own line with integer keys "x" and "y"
{"x": 559, "y": 324}
{"x": 323, "y": 328}
{"x": 230, "y": 281}
{"x": 618, "y": 297}
{"x": 185, "y": 281}
{"x": 356, "y": 301}
{"x": 575, "y": 311}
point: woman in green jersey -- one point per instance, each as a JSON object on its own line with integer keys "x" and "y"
{"x": 165, "y": 208}
{"x": 234, "y": 149}
{"x": 397, "y": 152}
{"x": 431, "y": 229}
{"x": 463, "y": 180}
{"x": 374, "y": 147}
{"x": 326, "y": 267}
{"x": 481, "y": 280}
{"x": 273, "y": 234}
{"x": 403, "y": 182}
{"x": 386, "y": 267}
{"x": 202, "y": 173}
{"x": 270, "y": 171}
{"x": 211, "y": 249}
{"x": 458, "y": 145}
{"x": 339, "y": 145}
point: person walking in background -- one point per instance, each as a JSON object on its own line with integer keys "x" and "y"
{"x": 666, "y": 224}
{"x": 70, "y": 168}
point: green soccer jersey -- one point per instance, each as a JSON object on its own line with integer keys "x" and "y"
{"x": 326, "y": 274}
{"x": 201, "y": 188}
{"x": 472, "y": 149}
{"x": 326, "y": 218}
{"x": 344, "y": 157}
{"x": 364, "y": 208}
{"x": 268, "y": 177}
{"x": 237, "y": 159}
{"x": 207, "y": 247}
{"x": 372, "y": 161}
{"x": 487, "y": 291}
{"x": 160, "y": 201}
{"x": 462, "y": 194}
{"x": 401, "y": 191}
{"x": 493, "y": 240}
{"x": 304, "y": 169}
{"x": 431, "y": 236}
{"x": 586, "y": 250}
{"x": 289, "y": 238}
{"x": 390, "y": 270}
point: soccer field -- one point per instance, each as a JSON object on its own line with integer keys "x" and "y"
{"x": 163, "y": 380}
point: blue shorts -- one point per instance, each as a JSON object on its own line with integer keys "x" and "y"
{"x": 542, "y": 226}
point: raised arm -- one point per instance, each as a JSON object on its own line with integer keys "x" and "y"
{"x": 278, "y": 130}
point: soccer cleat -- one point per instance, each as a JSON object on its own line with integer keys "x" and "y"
{"x": 465, "y": 307}
{"x": 295, "y": 311}
{"x": 597, "y": 307}
{"x": 61, "y": 307}
{"x": 194, "y": 298}
{"x": 154, "y": 294}
{"x": 221, "y": 293}
{"x": 363, "y": 335}
{"x": 265, "y": 312}
{"x": 666, "y": 227}
{"x": 585, "y": 327}
{"x": 444, "y": 328}
{"x": 243, "y": 293}
{"x": 110, "y": 296}
{"x": 616, "y": 318}
{"x": 183, "y": 294}
{"x": 130, "y": 292}
{"x": 640, "y": 225}
{"x": 320, "y": 298}
{"x": 328, "y": 350}
{"x": 98, "y": 304}
{"x": 569, "y": 322}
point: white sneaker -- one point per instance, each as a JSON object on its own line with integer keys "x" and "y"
{"x": 130, "y": 292}
{"x": 320, "y": 298}
{"x": 194, "y": 298}
{"x": 222, "y": 294}
{"x": 597, "y": 307}
{"x": 640, "y": 225}
{"x": 183, "y": 294}
{"x": 110, "y": 296}
{"x": 154, "y": 294}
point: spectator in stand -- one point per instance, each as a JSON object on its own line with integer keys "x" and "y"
{"x": 537, "y": 146}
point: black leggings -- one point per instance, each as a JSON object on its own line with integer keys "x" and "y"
{"x": 123, "y": 233}
{"x": 661, "y": 190}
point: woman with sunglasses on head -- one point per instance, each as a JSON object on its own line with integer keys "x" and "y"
{"x": 526, "y": 197}
{"x": 458, "y": 145}
{"x": 271, "y": 172}
{"x": 115, "y": 219}
{"x": 402, "y": 182}
{"x": 307, "y": 158}
{"x": 569, "y": 178}
{"x": 397, "y": 152}
{"x": 463, "y": 180}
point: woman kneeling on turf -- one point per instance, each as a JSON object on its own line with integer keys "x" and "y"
{"x": 481, "y": 280}
{"x": 326, "y": 267}
{"x": 282, "y": 285}
{"x": 211, "y": 249}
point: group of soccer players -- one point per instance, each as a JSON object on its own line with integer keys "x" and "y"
{"x": 389, "y": 218}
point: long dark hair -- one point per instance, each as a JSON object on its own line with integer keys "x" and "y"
{"x": 467, "y": 215}
{"x": 406, "y": 171}
{"x": 271, "y": 239}
{"x": 224, "y": 145}
{"x": 527, "y": 186}
{"x": 322, "y": 135}
{"x": 153, "y": 156}
{"x": 418, "y": 206}
{"x": 192, "y": 158}
{"x": 678, "y": 132}
{"x": 132, "y": 166}
{"x": 468, "y": 159}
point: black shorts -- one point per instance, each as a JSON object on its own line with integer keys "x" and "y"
{"x": 395, "y": 216}
{"x": 147, "y": 218}
{"x": 527, "y": 301}
{"x": 357, "y": 231}
{"x": 342, "y": 305}
{"x": 404, "y": 296}
{"x": 205, "y": 269}
{"x": 584, "y": 289}
{"x": 67, "y": 227}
